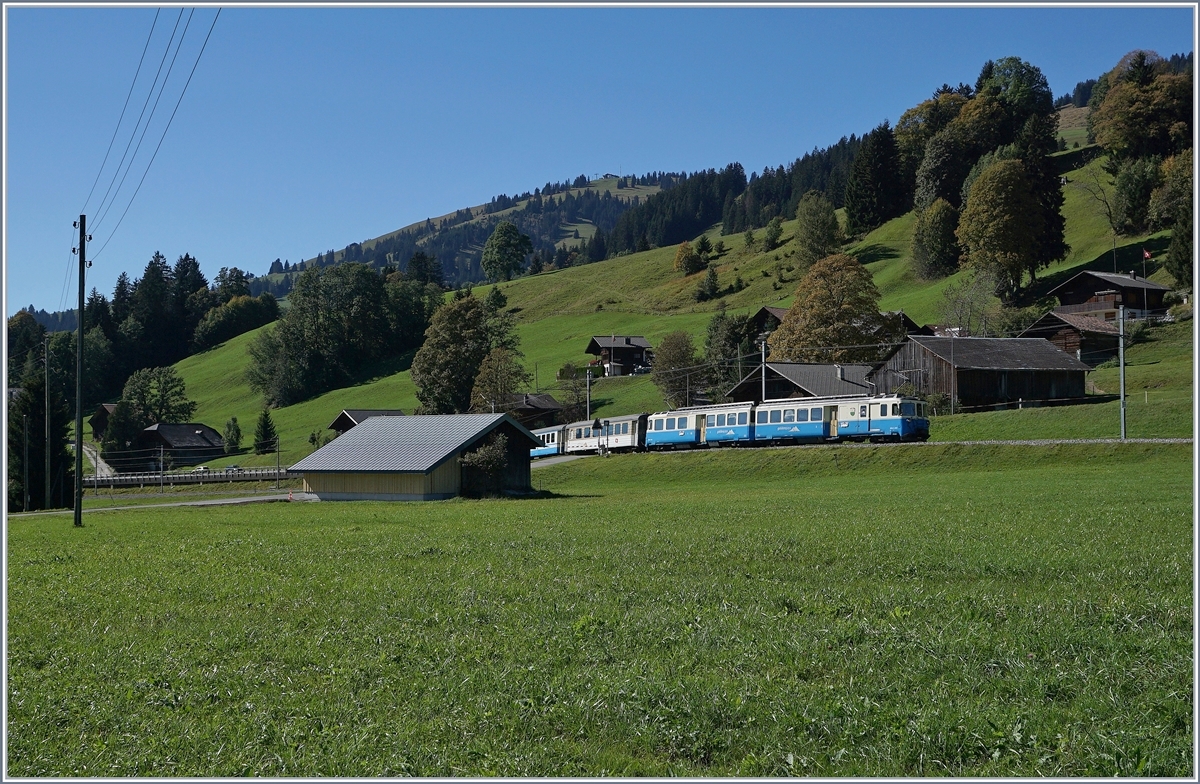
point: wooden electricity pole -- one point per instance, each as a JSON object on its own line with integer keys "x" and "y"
{"x": 83, "y": 240}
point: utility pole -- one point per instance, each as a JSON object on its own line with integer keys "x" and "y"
{"x": 763, "y": 370}
{"x": 83, "y": 239}
{"x": 953, "y": 374}
{"x": 25, "y": 463}
{"x": 46, "y": 417}
{"x": 1121, "y": 361}
{"x": 589, "y": 394}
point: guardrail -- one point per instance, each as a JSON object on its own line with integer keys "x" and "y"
{"x": 152, "y": 478}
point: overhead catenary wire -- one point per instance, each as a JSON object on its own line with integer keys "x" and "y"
{"x": 164, "y": 133}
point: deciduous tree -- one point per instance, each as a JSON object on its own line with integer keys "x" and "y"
{"x": 834, "y": 317}
{"x": 500, "y": 376}
{"x": 505, "y": 251}
{"x": 445, "y": 367}
{"x": 934, "y": 245}
{"x": 999, "y": 227}
{"x": 677, "y": 372}
{"x": 817, "y": 231}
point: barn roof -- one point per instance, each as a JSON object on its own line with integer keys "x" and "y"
{"x": 539, "y": 402}
{"x": 818, "y": 380}
{"x": 353, "y": 416}
{"x": 1086, "y": 324}
{"x": 999, "y": 353}
{"x": 409, "y": 444}
{"x": 615, "y": 341}
{"x": 185, "y": 435}
{"x": 1113, "y": 279}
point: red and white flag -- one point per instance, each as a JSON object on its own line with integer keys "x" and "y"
{"x": 1145, "y": 253}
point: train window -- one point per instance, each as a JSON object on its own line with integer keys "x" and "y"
{"x": 671, "y": 423}
{"x": 587, "y": 432}
{"x": 883, "y": 409}
{"x": 624, "y": 428}
{"x": 907, "y": 409}
{"x": 895, "y": 409}
{"x": 743, "y": 417}
{"x": 801, "y": 414}
{"x": 658, "y": 424}
{"x": 816, "y": 415}
{"x": 762, "y": 417}
{"x": 720, "y": 420}
{"x": 789, "y": 415}
{"x": 712, "y": 420}
{"x": 776, "y": 415}
{"x": 579, "y": 432}
{"x": 862, "y": 411}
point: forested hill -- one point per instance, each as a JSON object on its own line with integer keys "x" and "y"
{"x": 558, "y": 218}
{"x": 582, "y": 220}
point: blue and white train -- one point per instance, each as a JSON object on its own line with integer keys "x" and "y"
{"x": 772, "y": 422}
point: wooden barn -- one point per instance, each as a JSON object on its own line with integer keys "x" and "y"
{"x": 983, "y": 371}
{"x": 535, "y": 410}
{"x": 802, "y": 379}
{"x": 1099, "y": 294}
{"x": 99, "y": 420}
{"x": 184, "y": 443}
{"x": 413, "y": 458}
{"x": 1087, "y": 338}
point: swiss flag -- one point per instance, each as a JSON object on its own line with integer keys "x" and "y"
{"x": 1145, "y": 253}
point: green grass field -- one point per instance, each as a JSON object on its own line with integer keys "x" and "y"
{"x": 894, "y": 611}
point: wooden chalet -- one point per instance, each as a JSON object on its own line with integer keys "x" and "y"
{"x": 802, "y": 379}
{"x": 184, "y": 443}
{"x": 414, "y": 458}
{"x": 99, "y": 420}
{"x": 1099, "y": 294}
{"x": 983, "y": 371}
{"x": 354, "y": 416}
{"x": 620, "y": 354}
{"x": 1087, "y": 338}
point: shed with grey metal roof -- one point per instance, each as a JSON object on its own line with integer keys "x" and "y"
{"x": 411, "y": 458}
{"x": 804, "y": 379}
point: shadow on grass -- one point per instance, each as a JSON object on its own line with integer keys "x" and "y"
{"x": 383, "y": 368}
{"x": 875, "y": 252}
{"x": 539, "y": 495}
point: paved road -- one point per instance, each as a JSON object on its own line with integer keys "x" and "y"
{"x": 102, "y": 468}
{"x": 549, "y": 461}
{"x": 255, "y": 499}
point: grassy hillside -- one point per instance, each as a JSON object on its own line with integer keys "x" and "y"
{"x": 875, "y": 612}
{"x": 641, "y": 294}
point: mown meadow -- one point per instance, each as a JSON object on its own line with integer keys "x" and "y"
{"x": 938, "y": 609}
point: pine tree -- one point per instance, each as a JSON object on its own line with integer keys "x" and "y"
{"x": 873, "y": 190}
{"x": 266, "y": 440}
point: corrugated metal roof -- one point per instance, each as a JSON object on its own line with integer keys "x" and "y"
{"x": 353, "y": 416}
{"x": 1000, "y": 353}
{"x": 818, "y": 380}
{"x": 404, "y": 444}
{"x": 536, "y": 401}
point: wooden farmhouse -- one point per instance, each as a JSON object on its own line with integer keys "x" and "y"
{"x": 535, "y": 410}
{"x": 620, "y": 354}
{"x": 983, "y": 371}
{"x": 768, "y": 319}
{"x": 800, "y": 379}
{"x": 1098, "y": 294}
{"x": 99, "y": 420}
{"x": 353, "y": 416}
{"x": 184, "y": 443}
{"x": 413, "y": 458}
{"x": 1087, "y": 338}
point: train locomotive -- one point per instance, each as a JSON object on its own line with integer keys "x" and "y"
{"x": 772, "y": 422}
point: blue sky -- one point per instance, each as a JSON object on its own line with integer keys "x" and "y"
{"x": 304, "y": 129}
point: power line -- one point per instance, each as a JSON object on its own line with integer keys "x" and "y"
{"x": 136, "y": 125}
{"x": 153, "y": 109}
{"x": 164, "y": 133}
{"x": 83, "y": 209}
